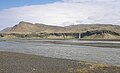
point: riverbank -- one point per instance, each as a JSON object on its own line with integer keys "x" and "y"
{"x": 25, "y": 63}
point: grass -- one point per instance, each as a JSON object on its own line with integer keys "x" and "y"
{"x": 99, "y": 68}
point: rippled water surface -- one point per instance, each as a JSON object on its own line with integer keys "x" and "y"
{"x": 83, "y": 53}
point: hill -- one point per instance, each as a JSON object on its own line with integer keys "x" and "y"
{"x": 100, "y": 34}
{"x": 49, "y": 31}
{"x": 30, "y": 27}
{"x": 37, "y": 27}
{"x": 6, "y": 29}
{"x": 91, "y": 27}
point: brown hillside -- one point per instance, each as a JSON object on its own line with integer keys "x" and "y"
{"x": 26, "y": 27}
{"x": 29, "y": 27}
{"x": 91, "y": 27}
{"x": 6, "y": 29}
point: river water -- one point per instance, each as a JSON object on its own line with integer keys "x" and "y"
{"x": 75, "y": 52}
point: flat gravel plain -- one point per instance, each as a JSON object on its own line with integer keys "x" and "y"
{"x": 25, "y": 63}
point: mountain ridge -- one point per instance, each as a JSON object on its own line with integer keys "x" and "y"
{"x": 38, "y": 27}
{"x": 87, "y": 31}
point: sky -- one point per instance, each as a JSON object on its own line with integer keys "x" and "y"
{"x": 5, "y": 4}
{"x": 59, "y": 12}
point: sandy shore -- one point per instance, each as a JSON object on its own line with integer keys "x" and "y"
{"x": 24, "y": 63}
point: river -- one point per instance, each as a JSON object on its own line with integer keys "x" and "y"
{"x": 75, "y": 52}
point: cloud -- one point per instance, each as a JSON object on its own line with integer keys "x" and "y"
{"x": 90, "y": 1}
{"x": 64, "y": 13}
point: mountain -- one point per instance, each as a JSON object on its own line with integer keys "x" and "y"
{"x": 90, "y": 27}
{"x": 96, "y": 31}
{"x": 6, "y": 29}
{"x": 30, "y": 27}
{"x": 37, "y": 27}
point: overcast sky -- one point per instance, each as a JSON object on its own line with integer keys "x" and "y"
{"x": 59, "y": 12}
